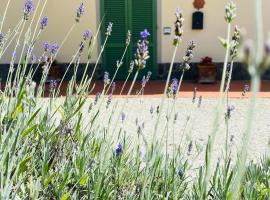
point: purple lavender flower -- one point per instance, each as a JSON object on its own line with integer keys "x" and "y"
{"x": 144, "y": 34}
{"x": 131, "y": 66}
{"x": 151, "y": 110}
{"x": 142, "y": 53}
{"x": 123, "y": 116}
{"x": 33, "y": 58}
{"x": 28, "y": 9}
{"x": 81, "y": 47}
{"x": 194, "y": 95}
{"x": 44, "y": 22}
{"x": 178, "y": 26}
{"x": 106, "y": 78}
{"x": 146, "y": 79}
{"x": 119, "y": 150}
{"x": 87, "y": 34}
{"x": 97, "y": 97}
{"x": 109, "y": 29}
{"x": 109, "y": 100}
{"x": 54, "y": 48}
{"x": 43, "y": 58}
{"x": 180, "y": 172}
{"x": 53, "y": 84}
{"x": 188, "y": 56}
{"x": 80, "y": 11}
{"x": 46, "y": 46}
{"x": 174, "y": 86}
{"x": 2, "y": 37}
{"x": 229, "y": 112}
{"x": 14, "y": 54}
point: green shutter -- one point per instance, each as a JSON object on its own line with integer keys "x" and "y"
{"x": 115, "y": 12}
{"x": 143, "y": 17}
{"x": 134, "y": 15}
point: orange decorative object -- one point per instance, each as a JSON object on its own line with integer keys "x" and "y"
{"x": 198, "y": 4}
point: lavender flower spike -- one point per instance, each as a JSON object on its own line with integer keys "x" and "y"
{"x": 80, "y": 11}
{"x": 119, "y": 150}
{"x": 2, "y": 38}
{"x": 44, "y": 22}
{"x": 145, "y": 34}
{"x": 46, "y": 46}
{"x": 87, "y": 34}
{"x": 28, "y": 9}
{"x": 54, "y": 48}
{"x": 106, "y": 78}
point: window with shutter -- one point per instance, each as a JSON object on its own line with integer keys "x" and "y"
{"x": 133, "y": 15}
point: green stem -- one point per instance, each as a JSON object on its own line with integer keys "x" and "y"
{"x": 217, "y": 117}
{"x": 165, "y": 91}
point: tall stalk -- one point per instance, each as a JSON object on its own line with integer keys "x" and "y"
{"x": 165, "y": 91}
{"x": 4, "y": 16}
{"x": 230, "y": 15}
{"x": 255, "y": 71}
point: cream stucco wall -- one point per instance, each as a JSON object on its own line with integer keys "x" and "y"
{"x": 61, "y": 17}
{"x": 214, "y": 26}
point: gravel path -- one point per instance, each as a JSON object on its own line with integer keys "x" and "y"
{"x": 198, "y": 127}
{"x": 195, "y": 130}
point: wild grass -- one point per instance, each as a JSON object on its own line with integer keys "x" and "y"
{"x": 56, "y": 148}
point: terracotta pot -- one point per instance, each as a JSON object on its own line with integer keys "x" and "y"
{"x": 207, "y": 73}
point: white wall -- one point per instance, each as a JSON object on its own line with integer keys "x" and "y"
{"x": 214, "y": 26}
{"x": 61, "y": 16}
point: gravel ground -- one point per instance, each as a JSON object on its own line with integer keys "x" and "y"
{"x": 199, "y": 125}
{"x": 195, "y": 130}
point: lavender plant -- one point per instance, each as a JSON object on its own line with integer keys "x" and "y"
{"x": 51, "y": 149}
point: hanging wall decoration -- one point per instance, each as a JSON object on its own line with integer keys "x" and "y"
{"x": 197, "y": 17}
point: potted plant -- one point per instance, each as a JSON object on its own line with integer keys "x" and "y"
{"x": 207, "y": 70}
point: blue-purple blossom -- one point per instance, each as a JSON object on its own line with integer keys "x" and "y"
{"x": 174, "y": 86}
{"x": 97, "y": 97}
{"x": 81, "y": 47}
{"x": 180, "y": 171}
{"x": 43, "y": 58}
{"x": 44, "y": 22}
{"x": 142, "y": 53}
{"x": 106, "y": 78}
{"x": 14, "y": 54}
{"x": 87, "y": 34}
{"x": 53, "y": 84}
{"x": 178, "y": 26}
{"x": 46, "y": 46}
{"x": 109, "y": 100}
{"x": 146, "y": 79}
{"x": 131, "y": 66}
{"x": 28, "y": 9}
{"x": 119, "y": 150}
{"x": 123, "y": 116}
{"x": 2, "y": 37}
{"x": 33, "y": 58}
{"x": 145, "y": 34}
{"x": 151, "y": 110}
{"x": 54, "y": 48}
{"x": 109, "y": 29}
{"x": 80, "y": 11}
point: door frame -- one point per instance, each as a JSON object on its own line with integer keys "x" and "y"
{"x": 129, "y": 55}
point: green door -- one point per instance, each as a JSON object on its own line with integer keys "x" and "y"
{"x": 133, "y": 15}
